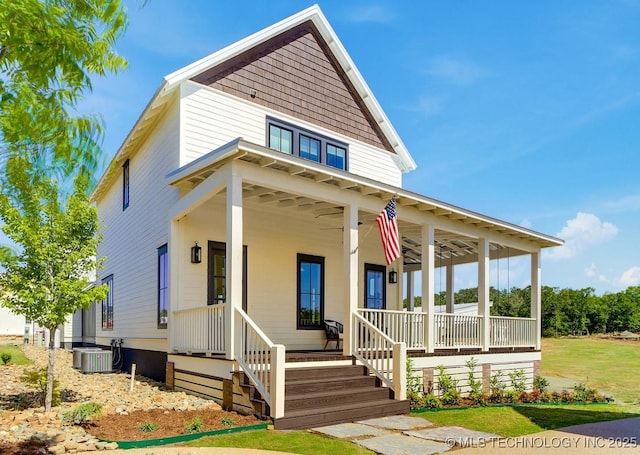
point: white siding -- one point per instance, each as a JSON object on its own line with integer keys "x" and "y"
{"x": 11, "y": 324}
{"x": 273, "y": 238}
{"x": 131, "y": 238}
{"x": 212, "y": 118}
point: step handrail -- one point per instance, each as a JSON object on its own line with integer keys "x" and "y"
{"x": 263, "y": 363}
{"x": 383, "y": 356}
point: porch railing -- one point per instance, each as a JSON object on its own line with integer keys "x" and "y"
{"x": 512, "y": 332}
{"x": 383, "y": 356}
{"x": 262, "y": 361}
{"x": 457, "y": 330}
{"x": 405, "y": 326}
{"x": 199, "y": 329}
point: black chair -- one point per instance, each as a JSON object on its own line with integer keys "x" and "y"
{"x": 333, "y": 331}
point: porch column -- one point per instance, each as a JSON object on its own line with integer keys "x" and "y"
{"x": 410, "y": 298}
{"x": 536, "y": 295}
{"x": 450, "y": 292}
{"x": 350, "y": 283}
{"x": 233, "y": 275}
{"x": 483, "y": 291}
{"x": 428, "y": 285}
{"x": 176, "y": 242}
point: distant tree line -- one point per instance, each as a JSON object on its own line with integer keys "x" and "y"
{"x": 564, "y": 311}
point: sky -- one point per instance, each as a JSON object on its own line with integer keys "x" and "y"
{"x": 525, "y": 111}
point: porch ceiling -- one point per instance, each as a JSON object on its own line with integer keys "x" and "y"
{"x": 452, "y": 247}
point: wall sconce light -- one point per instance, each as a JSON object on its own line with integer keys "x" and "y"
{"x": 393, "y": 277}
{"x": 196, "y": 254}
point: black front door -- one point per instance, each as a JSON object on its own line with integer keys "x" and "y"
{"x": 217, "y": 274}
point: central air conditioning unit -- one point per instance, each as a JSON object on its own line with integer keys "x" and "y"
{"x": 77, "y": 355}
{"x": 96, "y": 361}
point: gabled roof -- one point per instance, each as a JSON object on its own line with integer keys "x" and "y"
{"x": 154, "y": 108}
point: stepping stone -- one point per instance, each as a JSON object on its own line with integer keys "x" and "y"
{"x": 454, "y": 435}
{"x": 398, "y": 422}
{"x": 349, "y": 430}
{"x": 397, "y": 444}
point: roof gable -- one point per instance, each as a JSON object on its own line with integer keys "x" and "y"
{"x": 332, "y": 47}
{"x": 295, "y": 73}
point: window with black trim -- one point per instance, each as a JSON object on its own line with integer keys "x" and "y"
{"x": 306, "y": 144}
{"x": 107, "y": 304}
{"x": 163, "y": 287}
{"x": 375, "y": 297}
{"x": 125, "y": 185}
{"x": 310, "y": 292}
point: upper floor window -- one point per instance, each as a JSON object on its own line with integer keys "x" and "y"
{"x": 163, "y": 287}
{"x": 125, "y": 185}
{"x": 306, "y": 144}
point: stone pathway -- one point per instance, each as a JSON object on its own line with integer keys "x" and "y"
{"x": 404, "y": 435}
{"x": 22, "y": 418}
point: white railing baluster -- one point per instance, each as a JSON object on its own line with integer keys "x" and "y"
{"x": 199, "y": 329}
{"x": 512, "y": 332}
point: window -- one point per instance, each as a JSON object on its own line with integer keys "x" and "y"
{"x": 306, "y": 144}
{"x": 217, "y": 275}
{"x": 310, "y": 291}
{"x": 336, "y": 156}
{"x": 309, "y": 148}
{"x": 107, "y": 305}
{"x": 163, "y": 287}
{"x": 281, "y": 139}
{"x": 125, "y": 185}
{"x": 375, "y": 297}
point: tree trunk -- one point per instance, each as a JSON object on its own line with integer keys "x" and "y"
{"x": 50, "y": 377}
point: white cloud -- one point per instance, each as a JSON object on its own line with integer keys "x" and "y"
{"x": 371, "y": 13}
{"x": 624, "y": 204}
{"x": 591, "y": 270}
{"x": 584, "y": 231}
{"x": 630, "y": 277}
{"x": 457, "y": 72}
{"x": 427, "y": 105}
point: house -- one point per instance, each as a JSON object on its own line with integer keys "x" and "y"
{"x": 240, "y": 213}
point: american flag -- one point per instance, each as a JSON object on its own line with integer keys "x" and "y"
{"x": 388, "y": 225}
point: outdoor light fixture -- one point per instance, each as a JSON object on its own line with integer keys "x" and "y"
{"x": 393, "y": 277}
{"x": 196, "y": 254}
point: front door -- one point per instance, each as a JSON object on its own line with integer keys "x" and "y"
{"x": 375, "y": 292}
{"x": 217, "y": 274}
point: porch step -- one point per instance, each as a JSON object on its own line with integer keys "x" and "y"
{"x": 310, "y": 418}
{"x": 333, "y": 398}
{"x": 322, "y": 396}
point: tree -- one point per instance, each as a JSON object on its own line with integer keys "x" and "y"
{"x": 48, "y": 277}
{"x": 48, "y": 51}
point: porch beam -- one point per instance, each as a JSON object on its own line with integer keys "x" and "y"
{"x": 483, "y": 290}
{"x": 428, "y": 285}
{"x": 536, "y": 295}
{"x": 211, "y": 186}
{"x": 350, "y": 281}
{"x": 234, "y": 263}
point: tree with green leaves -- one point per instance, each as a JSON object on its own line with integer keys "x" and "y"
{"x": 49, "y": 49}
{"x": 48, "y": 274}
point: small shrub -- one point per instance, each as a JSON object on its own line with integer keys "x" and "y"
{"x": 38, "y": 378}
{"x": 414, "y": 399}
{"x": 535, "y": 396}
{"x": 147, "y": 427}
{"x": 193, "y": 426}
{"x": 546, "y": 397}
{"x": 448, "y": 388}
{"x": 540, "y": 383}
{"x": 566, "y": 396}
{"x": 518, "y": 380}
{"x": 227, "y": 421}
{"x": 583, "y": 393}
{"x": 498, "y": 387}
{"x": 6, "y": 358}
{"x": 430, "y": 401}
{"x": 83, "y": 414}
{"x": 511, "y": 396}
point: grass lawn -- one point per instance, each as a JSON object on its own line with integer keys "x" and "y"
{"x": 290, "y": 441}
{"x": 611, "y": 366}
{"x": 17, "y": 357}
{"x": 520, "y": 420}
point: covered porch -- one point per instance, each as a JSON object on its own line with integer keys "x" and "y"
{"x": 241, "y": 194}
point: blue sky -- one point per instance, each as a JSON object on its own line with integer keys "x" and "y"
{"x": 525, "y": 111}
